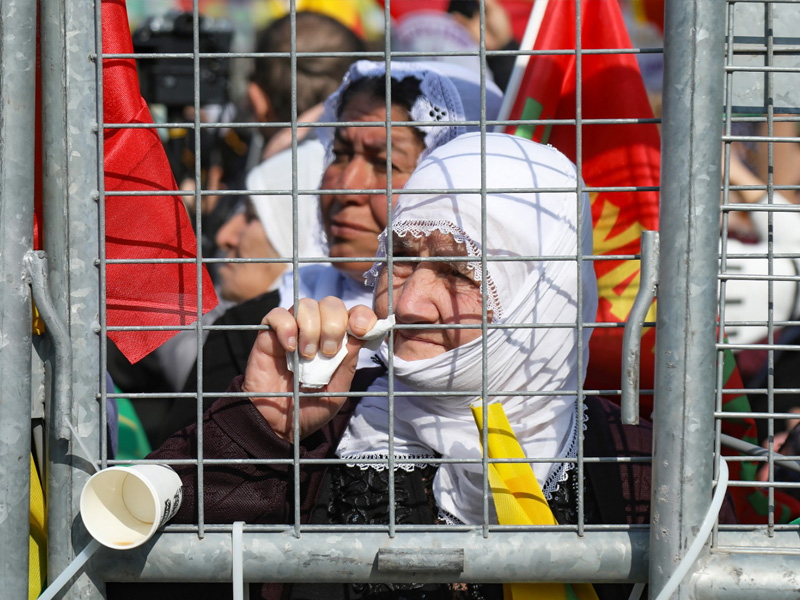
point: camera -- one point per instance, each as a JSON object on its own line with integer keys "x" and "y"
{"x": 170, "y": 81}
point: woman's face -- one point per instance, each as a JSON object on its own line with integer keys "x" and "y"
{"x": 353, "y": 221}
{"x": 436, "y": 293}
{"x": 243, "y": 236}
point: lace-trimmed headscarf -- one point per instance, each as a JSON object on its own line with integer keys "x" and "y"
{"x": 448, "y": 93}
{"x": 533, "y": 292}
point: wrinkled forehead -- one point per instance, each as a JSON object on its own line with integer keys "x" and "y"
{"x": 406, "y": 139}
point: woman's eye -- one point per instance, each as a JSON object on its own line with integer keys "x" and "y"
{"x": 380, "y": 166}
{"x": 460, "y": 275}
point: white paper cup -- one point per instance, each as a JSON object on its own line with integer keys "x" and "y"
{"x": 122, "y": 507}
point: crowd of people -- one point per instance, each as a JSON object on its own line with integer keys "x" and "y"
{"x": 387, "y": 220}
{"x": 750, "y": 237}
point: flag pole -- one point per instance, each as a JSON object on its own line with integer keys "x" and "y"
{"x": 528, "y": 41}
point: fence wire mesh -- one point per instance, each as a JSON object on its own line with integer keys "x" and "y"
{"x": 727, "y": 295}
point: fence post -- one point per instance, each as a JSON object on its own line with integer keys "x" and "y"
{"x": 17, "y": 89}
{"x": 70, "y": 185}
{"x": 689, "y": 230}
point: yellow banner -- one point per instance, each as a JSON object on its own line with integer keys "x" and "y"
{"x": 519, "y": 500}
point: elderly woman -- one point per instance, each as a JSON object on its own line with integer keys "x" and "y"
{"x": 511, "y": 288}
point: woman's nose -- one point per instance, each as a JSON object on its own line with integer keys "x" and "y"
{"x": 356, "y": 176}
{"x": 414, "y": 299}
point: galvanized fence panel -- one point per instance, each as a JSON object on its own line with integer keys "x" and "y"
{"x": 689, "y": 225}
{"x": 17, "y": 77}
{"x": 700, "y": 79}
{"x": 71, "y": 179}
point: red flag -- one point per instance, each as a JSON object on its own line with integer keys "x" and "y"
{"x": 615, "y": 155}
{"x": 142, "y": 227}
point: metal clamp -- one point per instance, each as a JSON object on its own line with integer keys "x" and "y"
{"x": 35, "y": 265}
{"x": 632, "y": 336}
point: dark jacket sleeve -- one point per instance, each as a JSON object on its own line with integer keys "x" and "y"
{"x": 234, "y": 430}
{"x": 623, "y": 490}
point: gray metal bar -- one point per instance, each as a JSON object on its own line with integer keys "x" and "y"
{"x": 484, "y": 288}
{"x": 333, "y": 557}
{"x": 387, "y": 50}
{"x": 295, "y": 238}
{"x": 429, "y": 54}
{"x": 750, "y": 565}
{"x": 632, "y": 336}
{"x": 198, "y": 223}
{"x": 101, "y": 219}
{"x": 689, "y": 230}
{"x": 579, "y": 190}
{"x": 748, "y": 576}
{"x": 17, "y": 89}
{"x": 317, "y": 124}
{"x": 70, "y": 188}
{"x": 421, "y": 559}
{"x": 769, "y": 95}
{"x": 753, "y": 450}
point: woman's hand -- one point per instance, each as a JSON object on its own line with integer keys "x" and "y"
{"x": 318, "y": 325}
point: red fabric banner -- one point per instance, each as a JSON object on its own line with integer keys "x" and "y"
{"x": 616, "y": 155}
{"x": 142, "y": 227}
{"x": 613, "y": 155}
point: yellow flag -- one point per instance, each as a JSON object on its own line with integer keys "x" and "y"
{"x": 519, "y": 500}
{"x": 37, "y": 569}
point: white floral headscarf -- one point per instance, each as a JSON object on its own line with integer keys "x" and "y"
{"x": 448, "y": 93}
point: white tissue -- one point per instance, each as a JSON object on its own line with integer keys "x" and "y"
{"x": 316, "y": 372}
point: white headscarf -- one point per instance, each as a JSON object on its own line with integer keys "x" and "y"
{"x": 448, "y": 93}
{"x": 275, "y": 212}
{"x": 540, "y": 291}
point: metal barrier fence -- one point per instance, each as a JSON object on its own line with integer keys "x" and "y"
{"x": 67, "y": 369}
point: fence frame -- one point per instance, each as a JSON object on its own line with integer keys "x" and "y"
{"x": 743, "y": 562}
{"x": 17, "y": 88}
{"x": 71, "y": 179}
{"x": 687, "y": 296}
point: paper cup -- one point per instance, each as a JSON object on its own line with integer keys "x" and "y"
{"x": 122, "y": 507}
